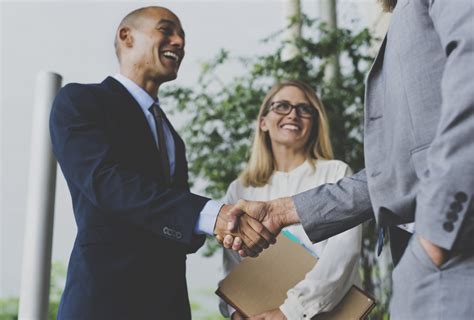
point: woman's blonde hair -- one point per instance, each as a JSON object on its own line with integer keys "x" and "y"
{"x": 261, "y": 164}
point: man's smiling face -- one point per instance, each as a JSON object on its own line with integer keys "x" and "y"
{"x": 157, "y": 47}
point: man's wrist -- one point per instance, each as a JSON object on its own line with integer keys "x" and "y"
{"x": 210, "y": 216}
{"x": 285, "y": 209}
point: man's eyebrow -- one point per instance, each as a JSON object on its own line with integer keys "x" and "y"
{"x": 167, "y": 21}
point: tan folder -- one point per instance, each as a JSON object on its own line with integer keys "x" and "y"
{"x": 260, "y": 284}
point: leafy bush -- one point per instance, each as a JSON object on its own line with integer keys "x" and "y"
{"x": 9, "y": 307}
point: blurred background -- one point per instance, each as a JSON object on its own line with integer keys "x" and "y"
{"x": 225, "y": 54}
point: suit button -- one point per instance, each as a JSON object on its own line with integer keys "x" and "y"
{"x": 456, "y": 206}
{"x": 452, "y": 216}
{"x": 172, "y": 233}
{"x": 461, "y": 197}
{"x": 179, "y": 235}
{"x": 448, "y": 226}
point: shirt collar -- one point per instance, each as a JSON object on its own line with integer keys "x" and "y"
{"x": 141, "y": 96}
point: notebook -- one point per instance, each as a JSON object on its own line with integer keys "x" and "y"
{"x": 260, "y": 284}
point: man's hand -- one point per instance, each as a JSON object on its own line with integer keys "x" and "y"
{"x": 274, "y": 314}
{"x": 437, "y": 254}
{"x": 233, "y": 227}
{"x": 274, "y": 215}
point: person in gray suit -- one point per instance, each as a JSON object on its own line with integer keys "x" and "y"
{"x": 419, "y": 163}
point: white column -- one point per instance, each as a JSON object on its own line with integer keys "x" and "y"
{"x": 37, "y": 248}
{"x": 328, "y": 13}
{"x": 291, "y": 9}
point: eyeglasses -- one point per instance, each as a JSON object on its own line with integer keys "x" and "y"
{"x": 284, "y": 108}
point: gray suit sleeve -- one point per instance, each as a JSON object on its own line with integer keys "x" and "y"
{"x": 446, "y": 189}
{"x": 333, "y": 208}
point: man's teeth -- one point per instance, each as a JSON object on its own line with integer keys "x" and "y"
{"x": 172, "y": 55}
{"x": 290, "y": 127}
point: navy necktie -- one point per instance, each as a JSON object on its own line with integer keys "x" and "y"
{"x": 159, "y": 122}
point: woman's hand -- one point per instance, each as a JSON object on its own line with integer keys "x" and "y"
{"x": 274, "y": 314}
{"x": 237, "y": 316}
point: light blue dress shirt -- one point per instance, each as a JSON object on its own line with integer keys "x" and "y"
{"x": 208, "y": 215}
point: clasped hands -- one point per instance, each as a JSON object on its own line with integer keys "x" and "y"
{"x": 249, "y": 227}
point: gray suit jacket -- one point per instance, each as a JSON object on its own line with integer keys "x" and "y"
{"x": 419, "y": 132}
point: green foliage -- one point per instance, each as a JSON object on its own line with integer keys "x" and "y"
{"x": 222, "y": 113}
{"x": 9, "y": 307}
{"x": 58, "y": 276}
{"x": 204, "y": 296}
{"x": 219, "y": 134}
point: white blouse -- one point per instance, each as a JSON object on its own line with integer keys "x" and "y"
{"x": 337, "y": 268}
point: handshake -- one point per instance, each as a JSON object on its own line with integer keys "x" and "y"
{"x": 251, "y": 226}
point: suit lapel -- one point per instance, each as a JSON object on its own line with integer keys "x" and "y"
{"x": 379, "y": 56}
{"x": 373, "y": 85}
{"x": 376, "y": 65}
{"x": 127, "y": 109}
{"x": 130, "y": 111}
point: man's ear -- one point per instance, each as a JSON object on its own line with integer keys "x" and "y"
{"x": 263, "y": 124}
{"x": 125, "y": 36}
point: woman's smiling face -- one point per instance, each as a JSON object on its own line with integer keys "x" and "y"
{"x": 291, "y": 130}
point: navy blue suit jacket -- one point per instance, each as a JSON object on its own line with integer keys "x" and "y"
{"x": 128, "y": 260}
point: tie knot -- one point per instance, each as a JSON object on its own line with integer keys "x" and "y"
{"x": 155, "y": 110}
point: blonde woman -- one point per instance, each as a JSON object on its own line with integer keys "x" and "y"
{"x": 292, "y": 153}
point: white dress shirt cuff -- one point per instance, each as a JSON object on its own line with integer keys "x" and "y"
{"x": 207, "y": 218}
{"x": 294, "y": 310}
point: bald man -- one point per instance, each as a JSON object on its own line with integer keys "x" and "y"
{"x": 127, "y": 174}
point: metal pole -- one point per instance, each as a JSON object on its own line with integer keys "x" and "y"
{"x": 37, "y": 248}
{"x": 291, "y": 9}
{"x": 328, "y": 10}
